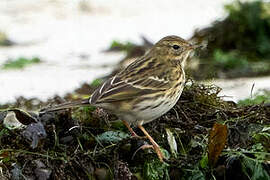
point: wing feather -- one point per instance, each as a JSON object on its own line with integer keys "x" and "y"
{"x": 115, "y": 89}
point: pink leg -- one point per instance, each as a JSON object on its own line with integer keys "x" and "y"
{"x": 155, "y": 145}
{"x": 130, "y": 129}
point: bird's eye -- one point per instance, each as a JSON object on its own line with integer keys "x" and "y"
{"x": 176, "y": 47}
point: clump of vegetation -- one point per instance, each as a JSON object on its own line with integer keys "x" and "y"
{"x": 251, "y": 26}
{"x": 238, "y": 42}
{"x": 84, "y": 6}
{"x": 230, "y": 60}
{"x": 96, "y": 82}
{"x": 4, "y": 41}
{"x": 202, "y": 137}
{"x": 20, "y": 63}
{"x": 119, "y": 46}
{"x": 260, "y": 97}
{"x": 132, "y": 49}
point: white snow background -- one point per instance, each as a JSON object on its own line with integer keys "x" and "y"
{"x": 70, "y": 35}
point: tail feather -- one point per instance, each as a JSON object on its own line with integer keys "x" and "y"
{"x": 67, "y": 105}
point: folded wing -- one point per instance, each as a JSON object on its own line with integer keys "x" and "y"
{"x": 115, "y": 89}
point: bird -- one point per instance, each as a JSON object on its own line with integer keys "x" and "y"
{"x": 146, "y": 89}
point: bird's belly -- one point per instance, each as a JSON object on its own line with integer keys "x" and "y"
{"x": 150, "y": 111}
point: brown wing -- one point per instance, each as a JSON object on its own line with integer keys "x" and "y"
{"x": 140, "y": 78}
{"x": 110, "y": 90}
{"x": 115, "y": 89}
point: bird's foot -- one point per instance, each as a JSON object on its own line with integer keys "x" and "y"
{"x": 156, "y": 148}
{"x": 135, "y": 136}
{"x": 154, "y": 144}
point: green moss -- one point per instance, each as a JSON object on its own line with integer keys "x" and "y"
{"x": 85, "y": 114}
{"x": 20, "y": 63}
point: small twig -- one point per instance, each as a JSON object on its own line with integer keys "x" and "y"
{"x": 55, "y": 137}
{"x": 177, "y": 116}
{"x": 251, "y": 91}
{"x": 32, "y": 153}
{"x": 187, "y": 118}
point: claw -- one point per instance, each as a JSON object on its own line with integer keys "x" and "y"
{"x": 146, "y": 146}
{"x": 154, "y": 144}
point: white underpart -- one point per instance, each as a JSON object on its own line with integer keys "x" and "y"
{"x": 149, "y": 114}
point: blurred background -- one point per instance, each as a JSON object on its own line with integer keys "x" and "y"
{"x": 52, "y": 47}
{"x": 53, "y": 51}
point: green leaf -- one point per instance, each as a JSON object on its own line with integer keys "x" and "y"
{"x": 193, "y": 174}
{"x": 204, "y": 161}
{"x": 196, "y": 175}
{"x": 172, "y": 142}
{"x": 254, "y": 169}
{"x": 154, "y": 169}
{"x": 111, "y": 137}
{"x": 3, "y": 132}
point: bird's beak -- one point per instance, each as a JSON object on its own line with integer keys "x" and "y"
{"x": 191, "y": 47}
{"x": 199, "y": 46}
{"x": 196, "y": 46}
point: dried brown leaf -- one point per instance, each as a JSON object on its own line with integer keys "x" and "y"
{"x": 217, "y": 141}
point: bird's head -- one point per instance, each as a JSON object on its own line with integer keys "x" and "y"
{"x": 173, "y": 48}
